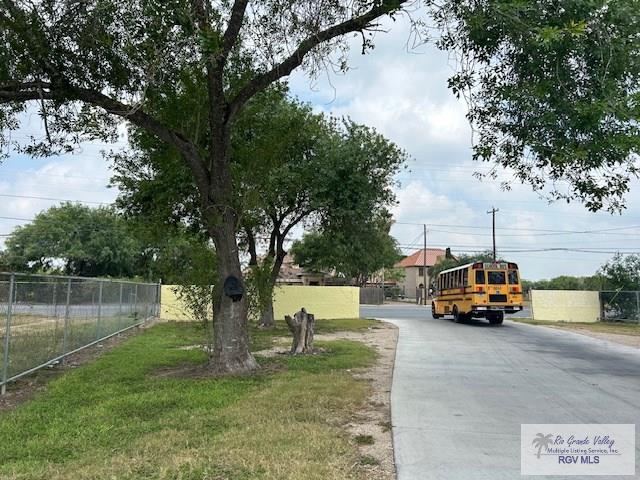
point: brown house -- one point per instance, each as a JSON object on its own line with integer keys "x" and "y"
{"x": 415, "y": 275}
{"x": 292, "y": 274}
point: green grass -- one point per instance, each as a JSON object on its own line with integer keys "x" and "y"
{"x": 117, "y": 417}
{"x": 364, "y": 439}
{"x": 632, "y": 329}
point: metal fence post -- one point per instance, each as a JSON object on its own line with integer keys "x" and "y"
{"x": 7, "y": 336}
{"x": 120, "y": 306}
{"x": 159, "y": 307}
{"x": 99, "y": 310}
{"x": 135, "y": 303}
{"x": 65, "y": 333}
{"x": 55, "y": 304}
{"x": 638, "y": 306}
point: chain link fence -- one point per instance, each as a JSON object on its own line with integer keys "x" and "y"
{"x": 620, "y": 306}
{"x": 44, "y": 318}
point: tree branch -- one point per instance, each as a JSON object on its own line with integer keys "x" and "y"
{"x": 251, "y": 245}
{"x": 283, "y": 69}
{"x": 22, "y": 92}
{"x": 233, "y": 28}
{"x": 8, "y": 95}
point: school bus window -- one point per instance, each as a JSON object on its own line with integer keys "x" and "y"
{"x": 480, "y": 277}
{"x": 465, "y": 278}
{"x": 496, "y": 278}
{"x": 513, "y": 277}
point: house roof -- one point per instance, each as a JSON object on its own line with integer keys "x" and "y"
{"x": 416, "y": 259}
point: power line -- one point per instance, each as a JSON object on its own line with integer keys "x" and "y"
{"x": 610, "y": 250}
{"x": 34, "y": 197}
{"x": 628, "y": 227}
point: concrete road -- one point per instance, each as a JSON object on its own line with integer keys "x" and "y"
{"x": 461, "y": 391}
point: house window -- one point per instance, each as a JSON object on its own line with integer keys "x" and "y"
{"x": 421, "y": 271}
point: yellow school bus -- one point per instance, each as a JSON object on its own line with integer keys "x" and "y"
{"x": 478, "y": 290}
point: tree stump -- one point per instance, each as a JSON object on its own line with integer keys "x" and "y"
{"x": 301, "y": 326}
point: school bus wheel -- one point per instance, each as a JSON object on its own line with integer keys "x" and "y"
{"x": 433, "y": 311}
{"x": 457, "y": 316}
{"x": 496, "y": 318}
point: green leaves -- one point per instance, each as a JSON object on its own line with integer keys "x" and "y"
{"x": 354, "y": 251}
{"x": 76, "y": 239}
{"x": 553, "y": 90}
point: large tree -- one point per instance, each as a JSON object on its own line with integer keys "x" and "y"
{"x": 290, "y": 167}
{"x": 88, "y": 63}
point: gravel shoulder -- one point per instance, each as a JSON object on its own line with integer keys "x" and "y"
{"x": 622, "y": 339}
{"x": 373, "y": 421}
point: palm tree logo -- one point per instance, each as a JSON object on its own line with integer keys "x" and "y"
{"x": 542, "y": 441}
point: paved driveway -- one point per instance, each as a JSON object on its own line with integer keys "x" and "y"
{"x": 461, "y": 391}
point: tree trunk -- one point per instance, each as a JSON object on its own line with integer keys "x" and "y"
{"x": 231, "y": 353}
{"x": 267, "y": 319}
{"x": 301, "y": 326}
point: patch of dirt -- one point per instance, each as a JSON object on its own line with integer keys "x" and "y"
{"x": 622, "y": 339}
{"x": 27, "y": 387}
{"x": 373, "y": 422}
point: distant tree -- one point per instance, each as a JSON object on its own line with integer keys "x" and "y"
{"x": 446, "y": 263}
{"x": 4, "y": 264}
{"x": 566, "y": 282}
{"x": 622, "y": 272}
{"x": 354, "y": 252}
{"x": 75, "y": 240}
{"x": 97, "y": 242}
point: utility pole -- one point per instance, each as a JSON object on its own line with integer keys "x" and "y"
{"x": 424, "y": 266}
{"x": 493, "y": 213}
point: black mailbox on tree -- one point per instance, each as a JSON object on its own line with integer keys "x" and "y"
{"x": 233, "y": 288}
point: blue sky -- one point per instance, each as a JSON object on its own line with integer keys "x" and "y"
{"x": 403, "y": 94}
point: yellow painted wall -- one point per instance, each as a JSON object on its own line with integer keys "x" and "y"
{"x": 323, "y": 302}
{"x": 565, "y": 305}
{"x": 170, "y": 307}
